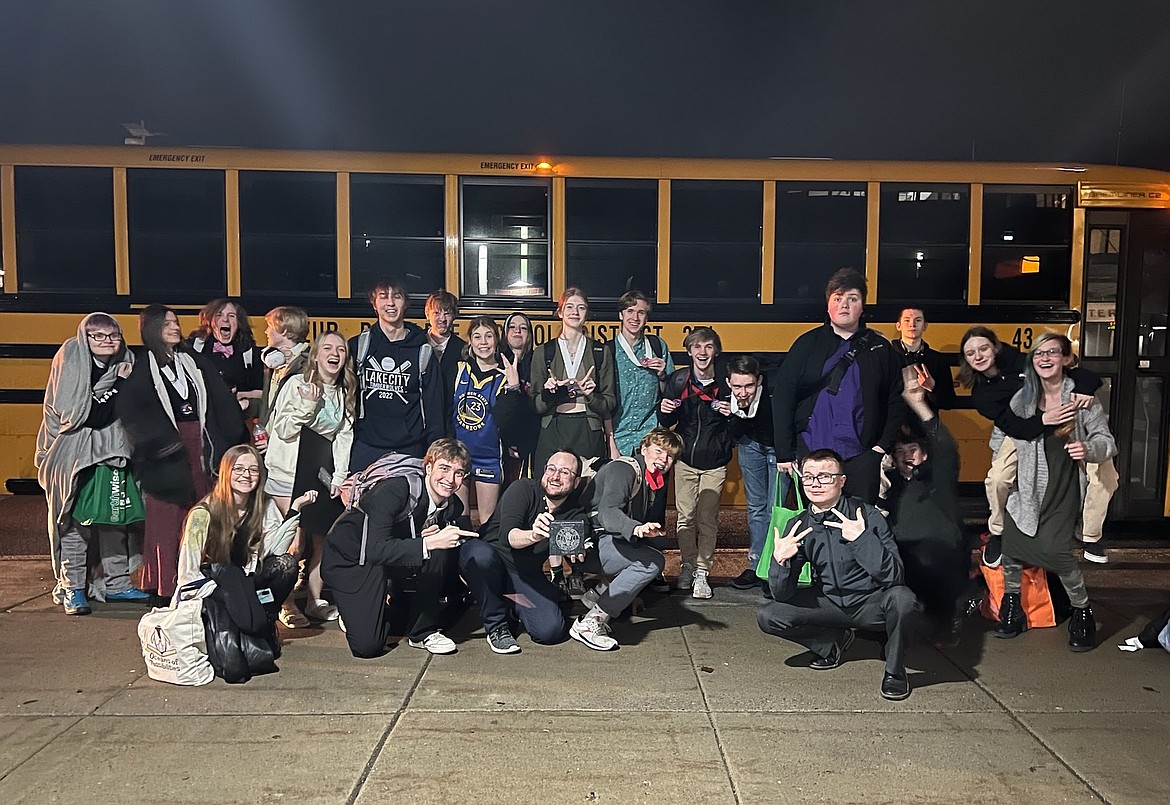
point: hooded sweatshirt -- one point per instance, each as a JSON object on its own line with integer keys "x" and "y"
{"x": 399, "y": 409}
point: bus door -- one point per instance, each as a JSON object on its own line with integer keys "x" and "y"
{"x": 1124, "y": 339}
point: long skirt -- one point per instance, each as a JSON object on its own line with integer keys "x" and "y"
{"x": 164, "y": 520}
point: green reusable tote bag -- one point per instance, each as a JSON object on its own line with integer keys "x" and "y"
{"x": 109, "y": 497}
{"x": 781, "y": 516}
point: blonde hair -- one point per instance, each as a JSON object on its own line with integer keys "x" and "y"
{"x": 346, "y": 379}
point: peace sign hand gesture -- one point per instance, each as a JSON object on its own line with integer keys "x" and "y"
{"x": 511, "y": 373}
{"x": 851, "y": 527}
{"x": 787, "y": 546}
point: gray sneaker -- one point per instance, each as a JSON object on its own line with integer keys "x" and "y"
{"x": 502, "y": 641}
{"x": 686, "y": 576}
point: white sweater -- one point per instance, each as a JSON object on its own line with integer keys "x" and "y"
{"x": 293, "y": 412}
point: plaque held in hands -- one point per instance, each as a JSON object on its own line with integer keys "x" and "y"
{"x": 566, "y": 537}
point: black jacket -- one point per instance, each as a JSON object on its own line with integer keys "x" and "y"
{"x": 391, "y": 538}
{"x": 448, "y": 368}
{"x": 992, "y": 396}
{"x": 160, "y": 460}
{"x": 943, "y": 396}
{"x": 798, "y": 384}
{"x": 926, "y": 507}
{"x": 846, "y": 572}
{"x": 706, "y": 433}
{"x": 761, "y": 427}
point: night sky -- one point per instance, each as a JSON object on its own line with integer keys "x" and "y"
{"x": 1019, "y": 81}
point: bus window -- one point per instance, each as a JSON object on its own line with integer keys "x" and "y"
{"x": 177, "y": 234}
{"x": 505, "y": 237}
{"x": 611, "y": 231}
{"x": 820, "y": 227}
{"x": 396, "y": 230}
{"x": 65, "y": 229}
{"x": 924, "y": 234}
{"x": 1027, "y": 232}
{"x": 1099, "y": 331}
{"x": 715, "y": 240}
{"x": 288, "y": 233}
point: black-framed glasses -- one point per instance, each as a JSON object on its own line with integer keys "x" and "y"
{"x": 564, "y": 472}
{"x": 246, "y": 470}
{"x": 1054, "y": 352}
{"x": 820, "y": 478}
{"x": 102, "y": 338}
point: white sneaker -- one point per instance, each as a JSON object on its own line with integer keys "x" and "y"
{"x": 699, "y": 586}
{"x": 435, "y": 643}
{"x": 593, "y": 633}
{"x": 686, "y": 576}
{"x": 319, "y": 609}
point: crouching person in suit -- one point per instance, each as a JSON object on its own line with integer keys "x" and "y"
{"x": 860, "y": 578}
{"x": 630, "y": 500}
{"x": 505, "y": 568}
{"x": 404, "y": 523}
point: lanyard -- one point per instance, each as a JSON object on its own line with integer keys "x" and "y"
{"x": 572, "y": 365}
{"x": 629, "y": 350}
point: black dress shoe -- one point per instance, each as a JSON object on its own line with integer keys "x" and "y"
{"x": 1082, "y": 629}
{"x": 1012, "y": 620}
{"x": 835, "y": 656}
{"x": 746, "y": 580}
{"x": 895, "y": 688}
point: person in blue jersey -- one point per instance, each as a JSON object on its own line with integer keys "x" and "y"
{"x": 400, "y": 388}
{"x": 641, "y": 364}
{"x": 479, "y": 377}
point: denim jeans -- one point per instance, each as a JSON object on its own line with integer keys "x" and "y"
{"x": 757, "y": 464}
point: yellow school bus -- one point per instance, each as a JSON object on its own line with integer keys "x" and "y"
{"x": 741, "y": 245}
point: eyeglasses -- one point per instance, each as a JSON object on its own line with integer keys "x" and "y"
{"x": 246, "y": 470}
{"x": 564, "y": 472}
{"x": 102, "y": 338}
{"x": 1055, "y": 352}
{"x": 821, "y": 478}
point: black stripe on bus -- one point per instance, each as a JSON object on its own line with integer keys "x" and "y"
{"x": 33, "y": 396}
{"x": 713, "y": 311}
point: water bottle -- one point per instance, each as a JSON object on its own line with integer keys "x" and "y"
{"x": 259, "y": 436}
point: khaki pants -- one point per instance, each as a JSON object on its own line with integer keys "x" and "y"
{"x": 1001, "y": 480}
{"x": 1103, "y": 482}
{"x": 696, "y": 498}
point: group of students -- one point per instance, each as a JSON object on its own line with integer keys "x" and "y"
{"x": 365, "y": 453}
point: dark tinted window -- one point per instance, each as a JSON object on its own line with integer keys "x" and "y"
{"x": 288, "y": 228}
{"x": 820, "y": 227}
{"x": 176, "y": 221}
{"x": 612, "y": 231}
{"x": 924, "y": 233}
{"x": 1027, "y": 232}
{"x": 65, "y": 229}
{"x": 396, "y": 230}
{"x": 505, "y": 237}
{"x": 715, "y": 241}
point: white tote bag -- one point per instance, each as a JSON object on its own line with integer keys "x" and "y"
{"x": 173, "y": 643}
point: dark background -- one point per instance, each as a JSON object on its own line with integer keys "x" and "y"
{"x": 1051, "y": 80}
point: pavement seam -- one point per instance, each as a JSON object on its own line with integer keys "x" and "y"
{"x": 11, "y": 607}
{"x": 711, "y": 719}
{"x": 1011, "y": 714}
{"x": 45, "y": 745}
{"x": 70, "y": 726}
{"x": 356, "y": 791}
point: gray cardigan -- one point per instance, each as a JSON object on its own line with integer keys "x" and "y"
{"x": 1092, "y": 428}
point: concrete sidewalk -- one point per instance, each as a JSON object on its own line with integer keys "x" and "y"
{"x": 698, "y": 706}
